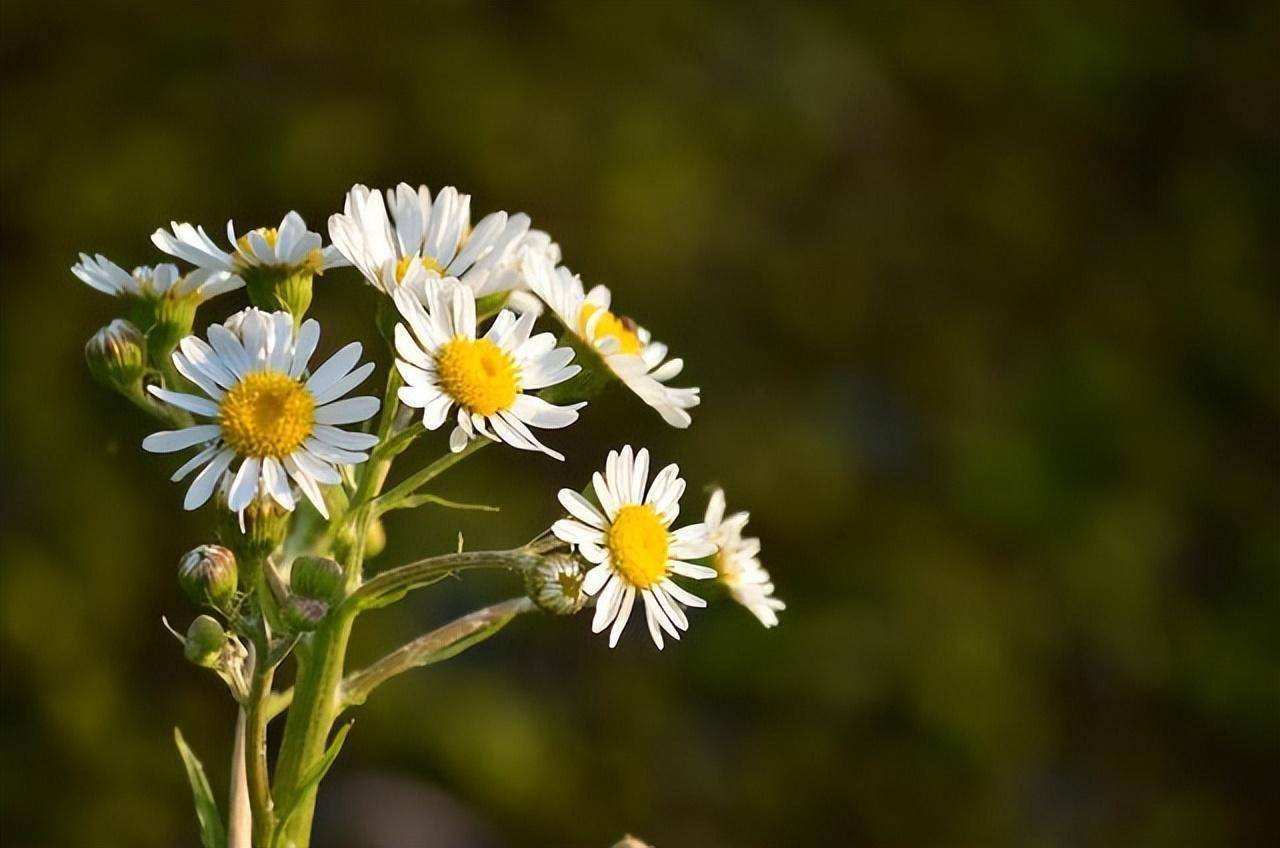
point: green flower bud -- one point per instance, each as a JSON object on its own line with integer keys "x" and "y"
{"x": 172, "y": 320}
{"x": 376, "y": 539}
{"x": 555, "y": 584}
{"x": 272, "y": 287}
{"x": 302, "y": 615}
{"x": 205, "y": 642}
{"x": 208, "y": 576}
{"x": 266, "y": 524}
{"x": 316, "y": 578}
{"x": 116, "y": 356}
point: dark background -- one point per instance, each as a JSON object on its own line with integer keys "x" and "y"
{"x": 983, "y": 302}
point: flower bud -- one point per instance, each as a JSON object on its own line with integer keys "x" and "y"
{"x": 173, "y": 318}
{"x": 375, "y": 541}
{"x": 279, "y": 287}
{"x": 116, "y": 357}
{"x": 208, "y": 576}
{"x": 555, "y": 584}
{"x": 316, "y": 578}
{"x": 302, "y": 615}
{"x": 205, "y": 642}
{"x": 256, "y": 533}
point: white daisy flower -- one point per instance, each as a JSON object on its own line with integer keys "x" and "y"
{"x": 151, "y": 283}
{"x": 432, "y": 238}
{"x": 738, "y": 562}
{"x": 287, "y": 249}
{"x": 445, "y": 364}
{"x": 537, "y": 247}
{"x": 263, "y": 411}
{"x": 625, "y": 347}
{"x": 630, "y": 540}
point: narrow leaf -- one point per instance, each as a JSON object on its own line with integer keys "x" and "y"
{"x": 212, "y": 833}
{"x": 313, "y": 777}
{"x": 414, "y": 501}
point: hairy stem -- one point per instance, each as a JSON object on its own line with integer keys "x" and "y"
{"x": 389, "y": 583}
{"x": 255, "y": 742}
{"x": 440, "y": 644}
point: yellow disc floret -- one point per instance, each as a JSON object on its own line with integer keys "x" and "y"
{"x": 480, "y": 376}
{"x": 610, "y": 325}
{"x": 637, "y": 543}
{"x": 269, "y": 235}
{"x": 266, "y": 414}
{"x": 431, "y": 266}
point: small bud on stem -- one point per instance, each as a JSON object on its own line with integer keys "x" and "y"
{"x": 208, "y": 575}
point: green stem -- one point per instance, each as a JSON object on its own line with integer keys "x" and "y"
{"x": 406, "y": 577}
{"x": 418, "y": 479}
{"x": 256, "y": 744}
{"x": 311, "y": 717}
{"x": 438, "y": 645}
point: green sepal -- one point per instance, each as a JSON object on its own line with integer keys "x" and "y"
{"x": 490, "y": 304}
{"x": 587, "y": 384}
{"x": 213, "y": 833}
{"x": 274, "y": 287}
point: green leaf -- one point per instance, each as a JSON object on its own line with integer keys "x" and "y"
{"x": 414, "y": 501}
{"x": 212, "y": 832}
{"x": 313, "y": 777}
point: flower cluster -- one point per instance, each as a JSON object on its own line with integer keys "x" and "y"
{"x": 268, "y": 429}
{"x": 298, "y": 467}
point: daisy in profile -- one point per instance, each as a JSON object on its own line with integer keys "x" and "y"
{"x": 630, "y": 540}
{"x": 737, "y": 562}
{"x": 411, "y": 236}
{"x": 277, "y": 263}
{"x": 626, "y": 348}
{"x": 152, "y": 283}
{"x": 265, "y": 412}
{"x": 445, "y": 364}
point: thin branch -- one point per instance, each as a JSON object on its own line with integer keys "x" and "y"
{"x": 256, "y": 743}
{"x": 440, "y": 644}
{"x": 415, "y": 574}
{"x": 418, "y": 479}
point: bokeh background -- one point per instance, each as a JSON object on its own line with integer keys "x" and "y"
{"x": 983, "y": 302}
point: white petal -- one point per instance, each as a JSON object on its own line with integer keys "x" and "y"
{"x": 581, "y": 508}
{"x": 202, "y": 487}
{"x": 191, "y": 403}
{"x": 334, "y": 368}
{"x": 607, "y": 603}
{"x": 168, "y": 441}
{"x": 348, "y": 411}
{"x": 308, "y": 337}
{"x": 245, "y": 485}
{"x": 595, "y": 579}
{"x": 624, "y": 615}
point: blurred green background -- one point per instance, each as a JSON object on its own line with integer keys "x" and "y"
{"x": 983, "y": 302}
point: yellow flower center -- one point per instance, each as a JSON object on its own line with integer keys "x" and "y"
{"x": 637, "y": 543}
{"x": 431, "y": 265}
{"x": 725, "y": 565}
{"x": 266, "y": 414}
{"x": 623, "y": 329}
{"x": 478, "y": 374}
{"x": 269, "y": 235}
